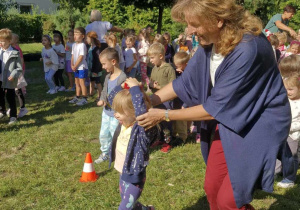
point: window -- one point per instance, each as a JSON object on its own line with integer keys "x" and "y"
{"x": 25, "y": 9}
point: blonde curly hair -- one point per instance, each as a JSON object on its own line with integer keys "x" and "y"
{"x": 237, "y": 21}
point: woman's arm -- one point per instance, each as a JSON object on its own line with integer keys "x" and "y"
{"x": 167, "y": 93}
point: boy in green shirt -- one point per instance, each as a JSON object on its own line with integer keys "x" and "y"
{"x": 162, "y": 74}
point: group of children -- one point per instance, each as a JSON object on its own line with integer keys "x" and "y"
{"x": 287, "y": 54}
{"x": 12, "y": 82}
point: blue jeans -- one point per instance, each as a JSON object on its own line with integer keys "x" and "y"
{"x": 108, "y": 128}
{"x": 49, "y": 79}
{"x": 132, "y": 73}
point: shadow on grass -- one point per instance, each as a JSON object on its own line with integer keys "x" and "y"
{"x": 201, "y": 204}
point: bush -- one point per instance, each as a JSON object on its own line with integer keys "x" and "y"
{"x": 28, "y": 27}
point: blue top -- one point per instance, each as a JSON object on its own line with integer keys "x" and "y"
{"x": 251, "y": 106}
{"x": 137, "y": 155}
{"x": 110, "y": 86}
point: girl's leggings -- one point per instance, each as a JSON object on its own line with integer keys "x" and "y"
{"x": 130, "y": 193}
{"x": 145, "y": 77}
{"x": 21, "y": 97}
{"x": 49, "y": 79}
{"x": 58, "y": 78}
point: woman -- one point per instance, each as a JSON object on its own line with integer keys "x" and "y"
{"x": 232, "y": 84}
{"x": 100, "y": 27}
{"x": 280, "y": 22}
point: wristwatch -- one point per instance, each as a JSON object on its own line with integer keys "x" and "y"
{"x": 167, "y": 115}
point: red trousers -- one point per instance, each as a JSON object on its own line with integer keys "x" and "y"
{"x": 217, "y": 182}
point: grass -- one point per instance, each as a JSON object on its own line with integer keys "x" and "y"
{"x": 31, "y": 48}
{"x": 42, "y": 156}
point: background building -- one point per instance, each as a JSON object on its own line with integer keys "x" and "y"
{"x": 46, "y": 6}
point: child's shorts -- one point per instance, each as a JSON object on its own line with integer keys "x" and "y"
{"x": 68, "y": 66}
{"x": 81, "y": 74}
{"x": 97, "y": 80}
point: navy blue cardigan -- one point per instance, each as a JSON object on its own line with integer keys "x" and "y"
{"x": 137, "y": 155}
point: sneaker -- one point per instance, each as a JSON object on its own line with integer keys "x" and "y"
{"x": 82, "y": 102}
{"x": 23, "y": 112}
{"x": 73, "y": 88}
{"x": 57, "y": 88}
{"x": 166, "y": 148}
{"x": 62, "y": 88}
{"x": 198, "y": 140}
{"x": 53, "y": 91}
{"x": 285, "y": 183}
{"x": 2, "y": 115}
{"x": 12, "y": 120}
{"x": 69, "y": 89}
{"x": 8, "y": 112}
{"x": 74, "y": 100}
{"x": 48, "y": 91}
{"x": 101, "y": 158}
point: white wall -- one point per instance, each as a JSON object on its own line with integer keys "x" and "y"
{"x": 44, "y": 5}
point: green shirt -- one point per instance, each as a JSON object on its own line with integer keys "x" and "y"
{"x": 163, "y": 74}
{"x": 271, "y": 26}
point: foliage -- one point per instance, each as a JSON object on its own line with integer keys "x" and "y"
{"x": 68, "y": 4}
{"x": 28, "y": 27}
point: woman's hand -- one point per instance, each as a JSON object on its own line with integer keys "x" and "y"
{"x": 151, "y": 118}
{"x": 131, "y": 82}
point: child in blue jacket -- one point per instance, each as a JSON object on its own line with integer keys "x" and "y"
{"x": 130, "y": 146}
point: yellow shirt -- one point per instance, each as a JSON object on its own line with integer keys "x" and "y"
{"x": 121, "y": 147}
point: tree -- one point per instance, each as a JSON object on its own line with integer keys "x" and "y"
{"x": 76, "y": 4}
{"x": 146, "y": 4}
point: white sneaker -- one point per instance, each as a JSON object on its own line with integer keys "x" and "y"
{"x": 48, "y": 91}
{"x": 82, "y": 102}
{"x": 12, "y": 120}
{"x": 285, "y": 183}
{"x": 23, "y": 112}
{"x": 53, "y": 91}
{"x": 101, "y": 159}
{"x": 62, "y": 88}
{"x": 74, "y": 100}
{"x": 57, "y": 88}
{"x": 8, "y": 112}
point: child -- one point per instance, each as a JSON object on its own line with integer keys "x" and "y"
{"x": 142, "y": 50}
{"x": 109, "y": 59}
{"x": 282, "y": 37}
{"x": 292, "y": 85}
{"x": 159, "y": 39}
{"x": 169, "y": 49}
{"x": 180, "y": 127}
{"x": 79, "y": 66}
{"x": 275, "y": 43}
{"x": 68, "y": 50}
{"x": 10, "y": 70}
{"x": 130, "y": 147}
{"x": 293, "y": 49}
{"x": 181, "y": 46}
{"x": 21, "y": 86}
{"x": 112, "y": 42}
{"x": 94, "y": 65}
{"x": 50, "y": 60}
{"x": 161, "y": 75}
{"x": 59, "y": 48}
{"x": 130, "y": 57}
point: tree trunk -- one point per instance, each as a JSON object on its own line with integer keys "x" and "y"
{"x": 160, "y": 16}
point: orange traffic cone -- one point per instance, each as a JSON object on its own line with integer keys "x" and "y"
{"x": 88, "y": 173}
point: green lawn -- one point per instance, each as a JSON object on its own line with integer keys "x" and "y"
{"x": 42, "y": 156}
{"x": 31, "y": 48}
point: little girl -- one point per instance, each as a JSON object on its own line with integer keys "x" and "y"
{"x": 50, "y": 59}
{"x": 94, "y": 65}
{"x": 142, "y": 50}
{"x": 169, "y": 49}
{"x": 68, "y": 50}
{"x": 282, "y": 37}
{"x": 293, "y": 49}
{"x": 130, "y": 146}
{"x": 59, "y": 48}
{"x": 21, "y": 86}
{"x": 111, "y": 40}
{"x": 130, "y": 57}
{"x": 292, "y": 85}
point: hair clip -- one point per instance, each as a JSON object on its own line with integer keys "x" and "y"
{"x": 127, "y": 87}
